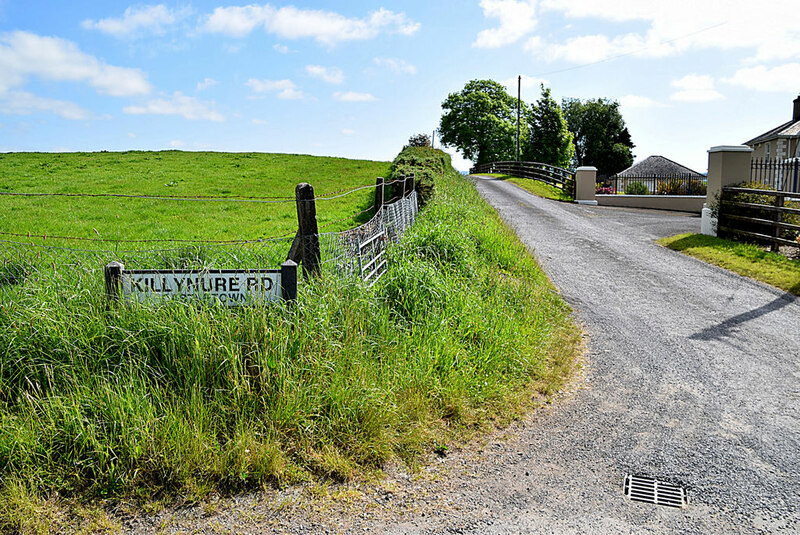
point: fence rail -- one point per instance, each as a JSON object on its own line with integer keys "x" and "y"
{"x": 668, "y": 184}
{"x": 762, "y": 215}
{"x": 563, "y": 179}
{"x": 778, "y": 175}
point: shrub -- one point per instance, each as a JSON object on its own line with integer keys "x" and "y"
{"x": 426, "y": 163}
{"x": 636, "y": 188}
{"x": 419, "y": 140}
{"x": 604, "y": 190}
{"x": 678, "y": 186}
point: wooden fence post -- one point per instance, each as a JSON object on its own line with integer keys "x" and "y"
{"x": 378, "y": 194}
{"x": 309, "y": 233}
{"x": 412, "y": 183}
{"x": 289, "y": 280}
{"x": 113, "y": 274}
{"x": 777, "y": 229}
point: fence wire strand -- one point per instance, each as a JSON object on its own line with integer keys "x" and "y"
{"x": 67, "y": 266}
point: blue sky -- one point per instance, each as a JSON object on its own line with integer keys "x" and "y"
{"x": 356, "y": 79}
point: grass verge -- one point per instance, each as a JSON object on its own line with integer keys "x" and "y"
{"x": 173, "y": 402}
{"x": 536, "y": 187}
{"x": 742, "y": 258}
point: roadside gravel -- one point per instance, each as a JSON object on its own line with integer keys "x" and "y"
{"x": 692, "y": 375}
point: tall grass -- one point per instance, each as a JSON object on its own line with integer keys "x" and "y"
{"x": 143, "y": 401}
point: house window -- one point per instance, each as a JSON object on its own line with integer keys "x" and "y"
{"x": 797, "y": 152}
{"x": 766, "y": 152}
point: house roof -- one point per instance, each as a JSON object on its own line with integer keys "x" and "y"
{"x": 790, "y": 129}
{"x": 657, "y": 166}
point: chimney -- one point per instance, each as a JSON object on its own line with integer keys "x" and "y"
{"x": 796, "y": 114}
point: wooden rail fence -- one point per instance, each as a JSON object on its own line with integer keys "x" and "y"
{"x": 549, "y": 174}
{"x": 764, "y": 215}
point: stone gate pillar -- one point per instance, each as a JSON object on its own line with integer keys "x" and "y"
{"x": 585, "y": 178}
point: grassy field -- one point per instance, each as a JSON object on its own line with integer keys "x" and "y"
{"x": 538, "y": 188}
{"x": 743, "y": 258}
{"x": 157, "y": 404}
{"x": 173, "y": 173}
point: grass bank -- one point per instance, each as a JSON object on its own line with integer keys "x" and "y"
{"x": 171, "y": 402}
{"x": 742, "y": 258}
{"x": 537, "y": 187}
{"x": 174, "y": 173}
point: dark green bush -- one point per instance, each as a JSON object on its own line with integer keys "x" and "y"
{"x": 426, "y": 163}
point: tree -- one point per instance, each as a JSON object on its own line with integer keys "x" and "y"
{"x": 481, "y": 122}
{"x": 549, "y": 140}
{"x": 419, "y": 140}
{"x": 601, "y": 137}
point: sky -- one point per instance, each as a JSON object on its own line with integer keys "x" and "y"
{"x": 356, "y": 79}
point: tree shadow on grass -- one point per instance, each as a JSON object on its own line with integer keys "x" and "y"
{"x": 724, "y": 329}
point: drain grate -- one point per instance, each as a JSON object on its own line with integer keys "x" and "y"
{"x": 649, "y": 490}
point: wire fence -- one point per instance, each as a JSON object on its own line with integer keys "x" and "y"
{"x": 37, "y": 262}
{"x": 361, "y": 251}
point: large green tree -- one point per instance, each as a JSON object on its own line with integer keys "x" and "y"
{"x": 549, "y": 140}
{"x": 481, "y": 122}
{"x": 601, "y": 137}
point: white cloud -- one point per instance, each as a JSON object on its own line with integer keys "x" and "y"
{"x": 695, "y": 88}
{"x": 131, "y": 135}
{"x": 285, "y": 89}
{"x": 352, "y": 96}
{"x": 348, "y": 132}
{"x": 397, "y": 66}
{"x": 639, "y": 102}
{"x": 206, "y": 83}
{"x": 675, "y": 27}
{"x": 331, "y": 75}
{"x": 24, "y": 55}
{"x": 260, "y": 122}
{"x": 138, "y": 20}
{"x": 186, "y": 107}
{"x": 595, "y": 48}
{"x": 176, "y": 143}
{"x": 783, "y": 78}
{"x": 517, "y": 19}
{"x": 289, "y": 22}
{"x": 281, "y": 49}
{"x": 24, "y": 103}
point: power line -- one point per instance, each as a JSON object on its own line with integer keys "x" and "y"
{"x": 610, "y": 58}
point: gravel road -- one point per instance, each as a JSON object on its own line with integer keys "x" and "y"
{"x": 692, "y": 375}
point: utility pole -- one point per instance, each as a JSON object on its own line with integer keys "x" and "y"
{"x": 433, "y": 138}
{"x": 519, "y": 95}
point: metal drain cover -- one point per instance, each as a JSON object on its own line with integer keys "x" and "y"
{"x": 649, "y": 490}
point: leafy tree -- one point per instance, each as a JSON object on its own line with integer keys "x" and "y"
{"x": 549, "y": 140}
{"x": 601, "y": 137}
{"x": 481, "y": 122}
{"x": 419, "y": 140}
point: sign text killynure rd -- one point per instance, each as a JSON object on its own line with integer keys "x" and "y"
{"x": 228, "y": 286}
